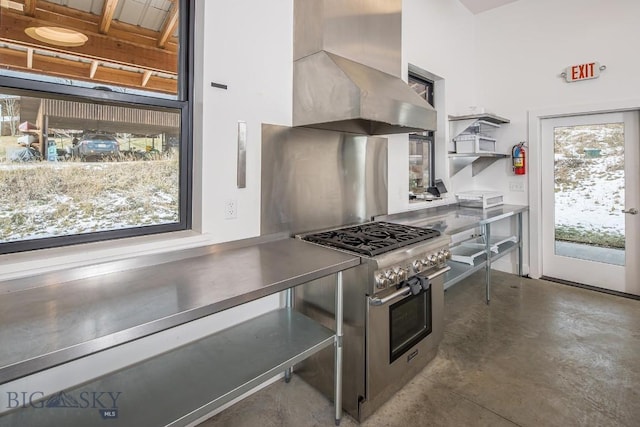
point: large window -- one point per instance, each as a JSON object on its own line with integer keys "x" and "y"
{"x": 95, "y": 123}
{"x": 421, "y": 146}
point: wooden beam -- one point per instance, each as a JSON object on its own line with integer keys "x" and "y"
{"x": 98, "y": 47}
{"x": 12, "y": 58}
{"x": 29, "y": 7}
{"x": 132, "y": 79}
{"x": 108, "y": 9}
{"x": 169, "y": 26}
{"x": 88, "y": 22}
{"x": 59, "y": 67}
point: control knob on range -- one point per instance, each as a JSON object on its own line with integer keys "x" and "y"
{"x": 444, "y": 255}
{"x": 381, "y": 281}
{"x": 417, "y": 266}
{"x": 401, "y": 273}
{"x": 392, "y": 276}
{"x": 431, "y": 261}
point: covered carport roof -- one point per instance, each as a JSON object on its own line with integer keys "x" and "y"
{"x": 64, "y": 114}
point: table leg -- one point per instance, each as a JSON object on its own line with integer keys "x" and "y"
{"x": 338, "y": 349}
{"x": 288, "y": 303}
{"x": 487, "y": 236}
{"x": 519, "y": 222}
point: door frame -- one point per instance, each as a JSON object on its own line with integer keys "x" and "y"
{"x": 534, "y": 122}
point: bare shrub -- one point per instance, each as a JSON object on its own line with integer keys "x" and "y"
{"x": 51, "y": 199}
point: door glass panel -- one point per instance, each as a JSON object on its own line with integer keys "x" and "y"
{"x": 590, "y": 192}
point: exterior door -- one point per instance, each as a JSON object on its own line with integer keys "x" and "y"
{"x": 590, "y": 197}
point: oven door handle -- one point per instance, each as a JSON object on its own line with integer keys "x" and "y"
{"x": 406, "y": 291}
{"x": 403, "y": 292}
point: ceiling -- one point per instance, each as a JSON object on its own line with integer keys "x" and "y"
{"x": 479, "y": 6}
{"x": 130, "y": 43}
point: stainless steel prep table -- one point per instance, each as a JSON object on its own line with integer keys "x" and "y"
{"x": 59, "y": 317}
{"x": 454, "y": 219}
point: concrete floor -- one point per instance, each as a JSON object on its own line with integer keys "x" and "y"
{"x": 542, "y": 354}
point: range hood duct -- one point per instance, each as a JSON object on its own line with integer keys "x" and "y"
{"x": 347, "y": 66}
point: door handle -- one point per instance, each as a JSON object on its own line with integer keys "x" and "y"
{"x": 403, "y": 292}
{"x": 632, "y": 211}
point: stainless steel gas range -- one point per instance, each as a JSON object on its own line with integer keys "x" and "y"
{"x": 393, "y": 310}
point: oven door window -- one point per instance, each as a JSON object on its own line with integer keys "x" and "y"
{"x": 409, "y": 322}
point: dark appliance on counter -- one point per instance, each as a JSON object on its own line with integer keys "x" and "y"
{"x": 393, "y": 310}
{"x": 438, "y": 189}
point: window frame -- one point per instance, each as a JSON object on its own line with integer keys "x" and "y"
{"x": 427, "y": 137}
{"x": 184, "y": 103}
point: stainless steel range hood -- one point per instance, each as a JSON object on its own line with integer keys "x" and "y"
{"x": 346, "y": 73}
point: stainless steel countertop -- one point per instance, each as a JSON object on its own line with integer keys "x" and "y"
{"x": 63, "y": 316}
{"x": 452, "y": 219}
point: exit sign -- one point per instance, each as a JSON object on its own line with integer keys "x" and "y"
{"x": 590, "y": 70}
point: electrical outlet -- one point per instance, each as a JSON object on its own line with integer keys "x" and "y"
{"x": 516, "y": 186}
{"x": 230, "y": 209}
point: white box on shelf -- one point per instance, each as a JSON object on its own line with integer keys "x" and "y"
{"x": 468, "y": 143}
{"x": 480, "y": 199}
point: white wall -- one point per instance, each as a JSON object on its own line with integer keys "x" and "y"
{"x": 438, "y": 37}
{"x": 524, "y": 46}
{"x": 248, "y": 47}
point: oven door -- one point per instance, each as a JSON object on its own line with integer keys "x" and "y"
{"x": 403, "y": 334}
{"x": 410, "y": 320}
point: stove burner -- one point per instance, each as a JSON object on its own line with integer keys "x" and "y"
{"x": 372, "y": 238}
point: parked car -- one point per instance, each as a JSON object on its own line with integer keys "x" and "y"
{"x": 95, "y": 146}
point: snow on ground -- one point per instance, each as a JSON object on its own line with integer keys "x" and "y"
{"x": 116, "y": 207}
{"x": 594, "y": 205}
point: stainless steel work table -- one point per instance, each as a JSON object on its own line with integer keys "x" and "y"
{"x": 454, "y": 219}
{"x": 64, "y": 316}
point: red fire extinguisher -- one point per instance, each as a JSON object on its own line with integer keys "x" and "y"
{"x": 518, "y": 154}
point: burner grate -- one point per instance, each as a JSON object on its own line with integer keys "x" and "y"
{"x": 372, "y": 238}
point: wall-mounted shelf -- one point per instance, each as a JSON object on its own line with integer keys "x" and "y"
{"x": 492, "y": 118}
{"x": 478, "y": 161}
{"x": 473, "y": 143}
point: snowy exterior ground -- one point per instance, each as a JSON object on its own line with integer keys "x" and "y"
{"x": 589, "y": 178}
